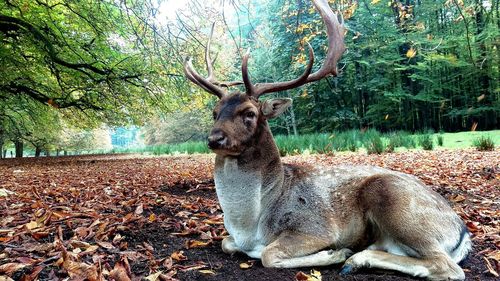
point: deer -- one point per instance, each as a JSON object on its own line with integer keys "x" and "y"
{"x": 291, "y": 216}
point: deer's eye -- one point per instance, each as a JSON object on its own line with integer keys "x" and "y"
{"x": 250, "y": 114}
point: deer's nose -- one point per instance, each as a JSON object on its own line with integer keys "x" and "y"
{"x": 216, "y": 139}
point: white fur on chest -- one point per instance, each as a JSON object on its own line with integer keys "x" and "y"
{"x": 239, "y": 194}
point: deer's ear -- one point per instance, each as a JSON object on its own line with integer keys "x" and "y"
{"x": 274, "y": 107}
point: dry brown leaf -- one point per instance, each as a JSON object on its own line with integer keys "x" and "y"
{"x": 494, "y": 255}
{"x": 178, "y": 256}
{"x": 154, "y": 276}
{"x": 80, "y": 270}
{"x": 301, "y": 276}
{"x": 77, "y": 270}
{"x": 490, "y": 268}
{"x": 458, "y": 198}
{"x": 121, "y": 271}
{"x": 168, "y": 263}
{"x": 247, "y": 265}
{"x": 314, "y": 276}
{"x": 11, "y": 267}
{"x": 32, "y": 225}
{"x": 169, "y": 276}
{"x": 139, "y": 210}
{"x": 105, "y": 245}
{"x": 207, "y": 271}
{"x": 196, "y": 244}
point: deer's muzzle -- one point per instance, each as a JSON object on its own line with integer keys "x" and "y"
{"x": 217, "y": 139}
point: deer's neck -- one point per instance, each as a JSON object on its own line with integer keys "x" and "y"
{"x": 246, "y": 184}
{"x": 260, "y": 162}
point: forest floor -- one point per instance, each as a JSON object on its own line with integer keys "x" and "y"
{"x": 131, "y": 217}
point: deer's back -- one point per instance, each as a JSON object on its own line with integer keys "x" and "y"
{"x": 337, "y": 202}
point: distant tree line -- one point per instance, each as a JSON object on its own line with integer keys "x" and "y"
{"x": 410, "y": 65}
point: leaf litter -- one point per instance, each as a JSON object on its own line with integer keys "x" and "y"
{"x": 141, "y": 218}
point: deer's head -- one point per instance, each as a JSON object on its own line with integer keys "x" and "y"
{"x": 239, "y": 116}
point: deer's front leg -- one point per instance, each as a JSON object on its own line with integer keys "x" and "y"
{"x": 229, "y": 246}
{"x": 292, "y": 250}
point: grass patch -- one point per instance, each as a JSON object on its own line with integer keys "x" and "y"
{"x": 401, "y": 139}
{"x": 440, "y": 140}
{"x": 352, "y": 140}
{"x": 373, "y": 142}
{"x": 484, "y": 143}
{"x": 426, "y": 141}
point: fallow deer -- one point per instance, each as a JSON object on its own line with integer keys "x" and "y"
{"x": 293, "y": 216}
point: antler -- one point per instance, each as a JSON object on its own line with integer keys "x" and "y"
{"x": 335, "y": 31}
{"x": 209, "y": 84}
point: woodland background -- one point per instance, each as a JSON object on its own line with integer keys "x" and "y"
{"x": 70, "y": 67}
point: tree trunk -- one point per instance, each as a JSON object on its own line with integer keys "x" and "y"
{"x": 294, "y": 122}
{"x": 19, "y": 148}
{"x": 38, "y": 151}
{"x": 47, "y": 153}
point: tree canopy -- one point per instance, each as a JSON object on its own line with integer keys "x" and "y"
{"x": 410, "y": 64}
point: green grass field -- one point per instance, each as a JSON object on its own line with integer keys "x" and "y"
{"x": 465, "y": 139}
{"x": 352, "y": 140}
{"x": 369, "y": 141}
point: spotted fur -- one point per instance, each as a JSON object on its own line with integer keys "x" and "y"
{"x": 296, "y": 216}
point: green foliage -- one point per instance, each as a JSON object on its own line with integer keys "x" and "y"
{"x": 430, "y": 68}
{"x": 347, "y": 141}
{"x": 190, "y": 147}
{"x": 373, "y": 142}
{"x": 411, "y": 65}
{"x": 401, "y": 139}
{"x": 440, "y": 140}
{"x": 484, "y": 143}
{"x": 426, "y": 141}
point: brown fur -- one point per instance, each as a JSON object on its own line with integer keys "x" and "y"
{"x": 302, "y": 211}
{"x": 292, "y": 216}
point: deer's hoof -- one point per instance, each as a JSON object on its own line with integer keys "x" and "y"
{"x": 347, "y": 269}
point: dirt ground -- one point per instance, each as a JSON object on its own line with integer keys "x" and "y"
{"x": 131, "y": 217}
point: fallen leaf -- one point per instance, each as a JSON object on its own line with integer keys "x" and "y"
{"x": 490, "y": 268}
{"x": 105, "y": 245}
{"x": 4, "y": 192}
{"x": 314, "y": 276}
{"x": 31, "y": 225}
{"x": 458, "y": 198}
{"x": 495, "y": 255}
{"x": 121, "y": 271}
{"x": 11, "y": 267}
{"x": 154, "y": 276}
{"x": 152, "y": 217}
{"x": 301, "y": 276}
{"x": 178, "y": 256}
{"x": 207, "y": 271}
{"x": 196, "y": 244}
{"x": 139, "y": 210}
{"x": 411, "y": 53}
{"x": 247, "y": 265}
{"x": 80, "y": 270}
